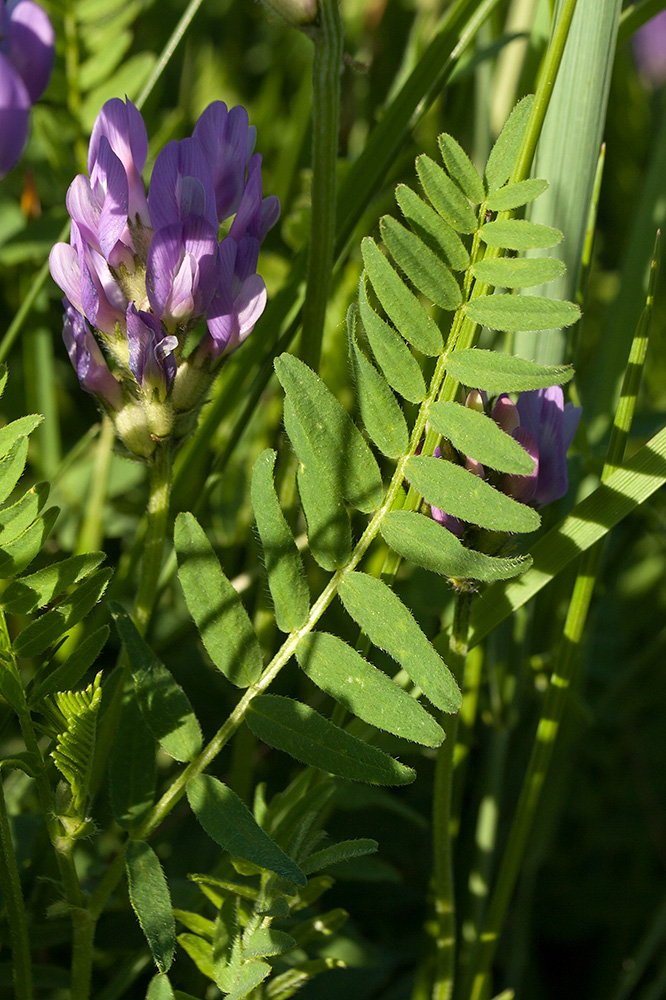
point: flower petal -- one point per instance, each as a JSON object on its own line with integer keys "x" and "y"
{"x": 31, "y": 46}
{"x": 181, "y": 185}
{"x": 14, "y": 115}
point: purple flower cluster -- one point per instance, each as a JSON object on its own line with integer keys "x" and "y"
{"x": 26, "y": 60}
{"x": 545, "y": 427}
{"x": 142, "y": 272}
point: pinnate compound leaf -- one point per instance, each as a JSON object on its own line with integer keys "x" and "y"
{"x": 304, "y": 734}
{"x": 284, "y": 567}
{"x": 519, "y": 234}
{"x": 230, "y": 824}
{"x": 342, "y": 851}
{"x": 522, "y": 312}
{"x": 518, "y": 272}
{"x": 425, "y": 270}
{"x": 390, "y": 626}
{"x": 69, "y": 673}
{"x": 429, "y": 545}
{"x": 495, "y": 372}
{"x": 73, "y": 753}
{"x": 400, "y": 367}
{"x": 380, "y": 412}
{"x": 344, "y": 454}
{"x": 478, "y": 436}
{"x": 400, "y": 305}
{"x": 445, "y": 196}
{"x": 461, "y": 493}
{"x": 431, "y": 227}
{"x": 514, "y": 195}
{"x": 159, "y": 988}
{"x": 45, "y": 631}
{"x": 223, "y": 623}
{"x": 163, "y": 703}
{"x": 12, "y": 466}
{"x": 151, "y": 901}
{"x": 131, "y": 766}
{"x": 504, "y": 154}
{"x": 34, "y": 591}
{"x": 20, "y": 553}
{"x": 329, "y": 529}
{"x": 364, "y": 690}
{"x": 461, "y": 168}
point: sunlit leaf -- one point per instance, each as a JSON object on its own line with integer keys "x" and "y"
{"x": 518, "y": 272}
{"x": 504, "y": 154}
{"x": 519, "y": 234}
{"x": 445, "y": 196}
{"x": 431, "y": 227}
{"x": 380, "y": 412}
{"x": 514, "y": 195}
{"x": 478, "y": 436}
{"x": 461, "y": 168}
{"x": 425, "y": 270}
{"x": 522, "y": 312}
{"x": 395, "y": 359}
{"x": 496, "y": 372}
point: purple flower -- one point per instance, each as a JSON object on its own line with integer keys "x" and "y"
{"x": 650, "y": 50}
{"x": 87, "y": 358}
{"x": 143, "y": 271}
{"x": 26, "y": 60}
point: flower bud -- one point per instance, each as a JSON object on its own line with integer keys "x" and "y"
{"x": 132, "y": 429}
{"x": 294, "y": 12}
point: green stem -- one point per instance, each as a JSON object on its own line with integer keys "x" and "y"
{"x": 157, "y": 517}
{"x": 18, "y": 924}
{"x": 91, "y": 534}
{"x": 328, "y": 40}
{"x": 442, "y": 840}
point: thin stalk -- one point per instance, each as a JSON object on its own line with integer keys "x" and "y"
{"x": 328, "y": 40}
{"x": 18, "y": 923}
{"x": 91, "y": 534}
{"x": 442, "y": 840}
{"x": 157, "y": 519}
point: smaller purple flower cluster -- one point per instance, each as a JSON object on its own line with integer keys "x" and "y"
{"x": 142, "y": 272}
{"x": 27, "y": 49}
{"x": 545, "y": 427}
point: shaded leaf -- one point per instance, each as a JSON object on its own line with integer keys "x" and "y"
{"x": 380, "y": 412}
{"x": 267, "y": 941}
{"x": 364, "y": 690}
{"x": 159, "y": 988}
{"x": 131, "y": 766}
{"x": 45, "y": 631}
{"x": 390, "y": 626}
{"x": 461, "y": 493}
{"x": 223, "y": 623}
{"x": 425, "y": 270}
{"x": 518, "y": 272}
{"x": 151, "y": 901}
{"x": 514, "y": 195}
{"x": 284, "y": 567}
{"x": 34, "y": 591}
{"x": 432, "y": 228}
{"x": 497, "y": 372}
{"x": 300, "y": 731}
{"x": 400, "y": 367}
{"x": 428, "y": 544}
{"x": 504, "y": 154}
{"x": 519, "y": 234}
{"x": 20, "y": 553}
{"x": 461, "y": 168}
{"x": 522, "y": 312}
{"x": 16, "y": 519}
{"x": 231, "y": 825}
{"x": 238, "y": 981}
{"x": 400, "y": 305}
{"x": 341, "y": 449}
{"x": 478, "y": 436}
{"x": 69, "y": 673}
{"x": 445, "y": 196}
{"x": 21, "y": 428}
{"x": 12, "y": 466}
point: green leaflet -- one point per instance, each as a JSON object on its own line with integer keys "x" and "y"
{"x": 342, "y": 851}
{"x": 329, "y": 530}
{"x": 12, "y": 466}
{"x": 400, "y": 367}
{"x": 364, "y": 690}
{"x": 390, "y": 626}
{"x": 518, "y": 234}
{"x": 497, "y": 372}
{"x": 425, "y": 270}
{"x": 45, "y": 631}
{"x": 478, "y": 436}
{"x": 150, "y": 899}
{"x": 266, "y": 941}
{"x": 163, "y": 703}
{"x": 428, "y": 544}
{"x": 222, "y": 621}
{"x": 16, "y": 519}
{"x": 514, "y": 195}
{"x": 131, "y": 766}
{"x": 459, "y": 492}
{"x": 522, "y": 312}
{"x": 400, "y": 305}
{"x": 159, "y": 988}
{"x": 518, "y": 272}
{"x": 200, "y": 951}
{"x": 380, "y": 412}
{"x": 284, "y": 567}
{"x": 21, "y": 428}
{"x": 445, "y": 196}
{"x": 504, "y": 154}
{"x": 304, "y": 734}
{"x": 20, "y": 553}
{"x": 461, "y": 168}
{"x": 432, "y": 228}
{"x": 30, "y": 592}
{"x": 73, "y": 753}
{"x": 231, "y": 825}
{"x": 238, "y": 981}
{"x": 69, "y": 673}
{"x": 341, "y": 449}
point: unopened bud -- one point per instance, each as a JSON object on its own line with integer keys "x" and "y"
{"x": 294, "y": 12}
{"x": 132, "y": 429}
{"x": 475, "y": 401}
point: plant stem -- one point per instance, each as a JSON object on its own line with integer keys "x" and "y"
{"x": 442, "y": 840}
{"x": 157, "y": 516}
{"x": 18, "y": 924}
{"x": 328, "y": 40}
